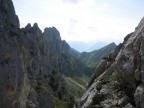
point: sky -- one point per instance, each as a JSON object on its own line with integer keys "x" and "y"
{"x": 83, "y": 20}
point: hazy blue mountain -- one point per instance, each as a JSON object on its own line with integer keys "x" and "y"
{"x": 96, "y": 46}
{"x": 79, "y": 46}
{"x": 88, "y": 47}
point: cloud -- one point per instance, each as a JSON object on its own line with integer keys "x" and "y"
{"x": 72, "y": 26}
{"x": 80, "y": 20}
{"x": 70, "y": 1}
{"x": 92, "y": 28}
{"x": 73, "y": 20}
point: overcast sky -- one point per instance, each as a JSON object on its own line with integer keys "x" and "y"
{"x": 83, "y": 20}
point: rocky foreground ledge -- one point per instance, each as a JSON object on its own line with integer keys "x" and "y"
{"x": 118, "y": 81}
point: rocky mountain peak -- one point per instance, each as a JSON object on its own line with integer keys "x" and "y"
{"x": 113, "y": 43}
{"x": 36, "y": 29}
{"x": 7, "y": 6}
{"x": 52, "y": 33}
{"x": 7, "y": 13}
{"x": 33, "y": 29}
{"x": 141, "y": 22}
{"x": 35, "y": 26}
{"x": 28, "y": 26}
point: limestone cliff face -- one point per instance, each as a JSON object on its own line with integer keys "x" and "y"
{"x": 17, "y": 62}
{"x": 119, "y": 80}
{"x": 13, "y": 84}
{"x": 129, "y": 65}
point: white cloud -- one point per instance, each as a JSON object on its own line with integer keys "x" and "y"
{"x": 77, "y": 20}
{"x": 70, "y": 1}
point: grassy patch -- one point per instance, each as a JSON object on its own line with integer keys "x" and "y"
{"x": 91, "y": 106}
{"x": 108, "y": 78}
{"x": 79, "y": 80}
{"x": 76, "y": 92}
{"x": 60, "y": 104}
{"x": 105, "y": 80}
{"x": 75, "y": 88}
{"x": 97, "y": 99}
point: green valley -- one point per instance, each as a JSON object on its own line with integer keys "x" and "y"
{"x": 76, "y": 85}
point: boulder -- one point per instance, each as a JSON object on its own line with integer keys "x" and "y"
{"x": 139, "y": 96}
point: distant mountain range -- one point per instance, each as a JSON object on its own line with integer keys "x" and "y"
{"x": 87, "y": 47}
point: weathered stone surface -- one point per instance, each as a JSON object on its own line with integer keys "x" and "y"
{"x": 123, "y": 101}
{"x": 99, "y": 70}
{"x": 104, "y": 90}
{"x": 129, "y": 62}
{"x": 129, "y": 106}
{"x": 128, "y": 65}
{"x": 139, "y": 96}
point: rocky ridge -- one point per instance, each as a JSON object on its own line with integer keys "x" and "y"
{"x": 118, "y": 81}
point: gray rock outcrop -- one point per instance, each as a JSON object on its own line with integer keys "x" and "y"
{"x": 120, "y": 76}
{"x": 17, "y": 61}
